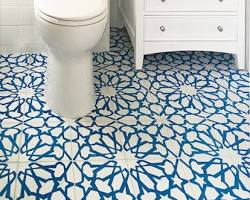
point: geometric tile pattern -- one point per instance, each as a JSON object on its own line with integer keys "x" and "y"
{"x": 178, "y": 129}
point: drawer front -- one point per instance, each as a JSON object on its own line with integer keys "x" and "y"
{"x": 191, "y": 5}
{"x": 160, "y": 28}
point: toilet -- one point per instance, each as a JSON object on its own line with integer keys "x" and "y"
{"x": 71, "y": 29}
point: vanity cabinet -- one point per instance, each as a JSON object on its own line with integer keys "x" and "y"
{"x": 156, "y": 26}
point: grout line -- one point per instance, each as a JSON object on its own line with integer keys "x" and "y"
{"x": 72, "y": 161}
{"x": 16, "y": 180}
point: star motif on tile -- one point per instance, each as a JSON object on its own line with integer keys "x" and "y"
{"x": 86, "y": 184}
{"x": 179, "y": 138}
{"x": 60, "y": 142}
{"x": 140, "y": 127}
{"x": 177, "y": 181}
{"x": 189, "y": 126}
{"x": 161, "y": 139}
{"x": 95, "y": 128}
{"x": 11, "y": 74}
{"x": 63, "y": 184}
{"x": 46, "y": 129}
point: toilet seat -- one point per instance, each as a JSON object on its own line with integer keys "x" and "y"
{"x": 71, "y": 13}
{"x": 72, "y": 23}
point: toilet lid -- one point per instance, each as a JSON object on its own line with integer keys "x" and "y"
{"x": 78, "y": 10}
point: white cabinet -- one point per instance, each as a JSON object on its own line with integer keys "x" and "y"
{"x": 192, "y": 28}
{"x": 158, "y": 26}
{"x": 191, "y": 5}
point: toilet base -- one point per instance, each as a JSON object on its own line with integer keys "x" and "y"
{"x": 69, "y": 84}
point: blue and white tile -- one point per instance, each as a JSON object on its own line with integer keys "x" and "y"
{"x": 14, "y": 65}
{"x": 116, "y": 92}
{"x": 53, "y": 180}
{"x": 38, "y": 63}
{"x": 179, "y": 129}
{"x": 8, "y": 175}
{"x": 95, "y": 141}
{"x": 101, "y": 170}
{"x": 17, "y": 86}
{"x": 10, "y": 139}
{"x": 103, "y": 179}
{"x": 46, "y": 140}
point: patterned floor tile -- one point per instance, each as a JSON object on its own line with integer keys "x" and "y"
{"x": 103, "y": 179}
{"x": 10, "y": 139}
{"x": 115, "y": 92}
{"x": 178, "y": 129}
{"x": 46, "y": 140}
{"x": 95, "y": 140}
{"x": 8, "y": 174}
{"x": 45, "y": 181}
{"x": 18, "y": 84}
{"x": 14, "y": 65}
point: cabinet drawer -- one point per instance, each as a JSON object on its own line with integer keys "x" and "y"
{"x": 191, "y": 5}
{"x": 160, "y": 28}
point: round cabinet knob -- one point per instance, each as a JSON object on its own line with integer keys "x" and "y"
{"x": 220, "y": 28}
{"x": 163, "y": 28}
{"x": 163, "y": 1}
{"x": 220, "y": 0}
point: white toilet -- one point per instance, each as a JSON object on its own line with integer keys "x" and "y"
{"x": 71, "y": 29}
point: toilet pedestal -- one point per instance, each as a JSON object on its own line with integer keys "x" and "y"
{"x": 70, "y": 86}
{"x": 71, "y": 30}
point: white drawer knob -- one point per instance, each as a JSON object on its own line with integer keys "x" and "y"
{"x": 163, "y": 28}
{"x": 220, "y": 28}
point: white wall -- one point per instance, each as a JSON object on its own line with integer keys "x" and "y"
{"x": 18, "y": 32}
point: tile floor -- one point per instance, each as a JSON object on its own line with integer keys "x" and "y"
{"x": 177, "y": 130}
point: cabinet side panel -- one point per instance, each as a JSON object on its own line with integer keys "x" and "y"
{"x": 128, "y": 11}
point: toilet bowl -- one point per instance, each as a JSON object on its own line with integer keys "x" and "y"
{"x": 71, "y": 29}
